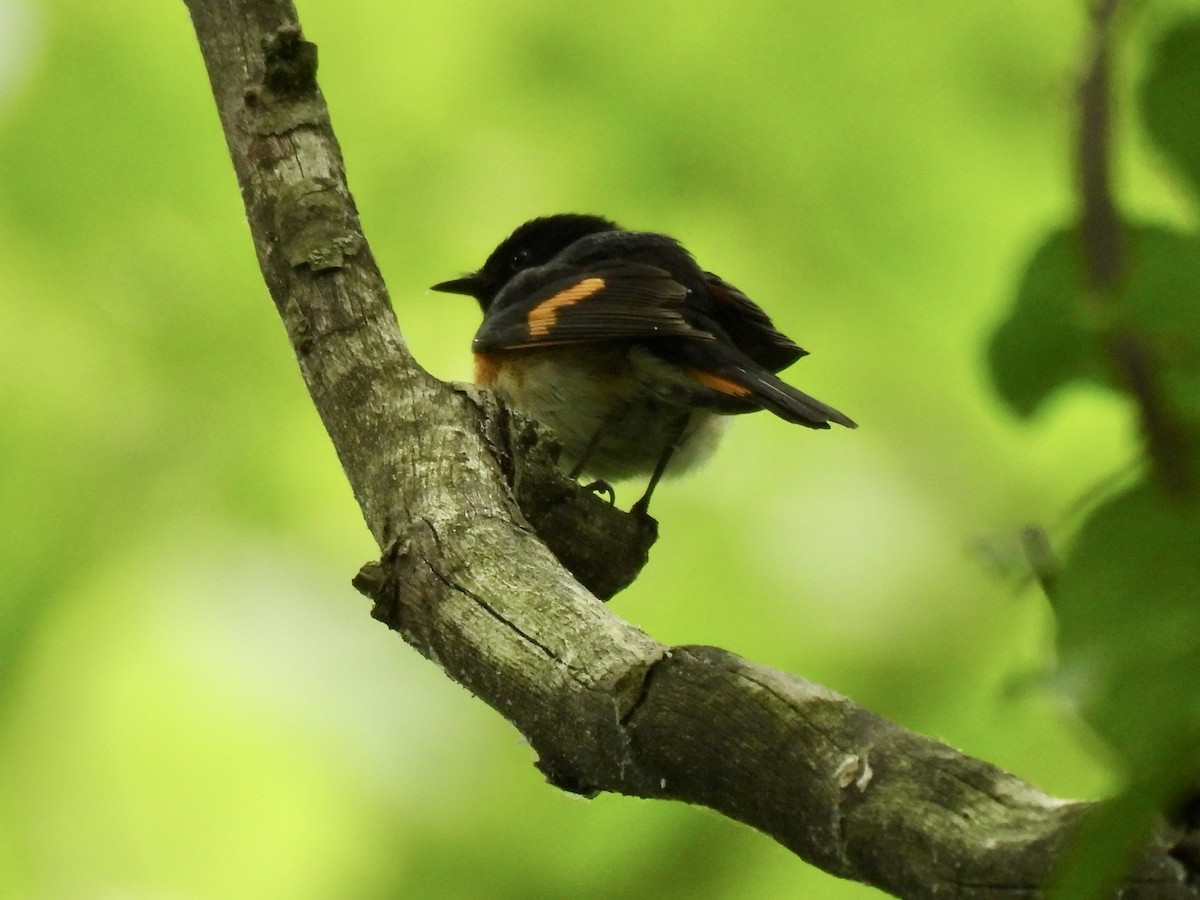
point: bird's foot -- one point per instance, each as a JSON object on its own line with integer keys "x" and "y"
{"x": 602, "y": 487}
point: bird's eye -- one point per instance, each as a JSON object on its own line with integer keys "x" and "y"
{"x": 519, "y": 259}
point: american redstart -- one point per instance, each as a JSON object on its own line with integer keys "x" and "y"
{"x": 625, "y": 348}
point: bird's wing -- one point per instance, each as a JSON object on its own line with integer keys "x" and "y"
{"x": 749, "y": 327}
{"x": 609, "y": 300}
{"x": 557, "y": 305}
{"x": 737, "y": 383}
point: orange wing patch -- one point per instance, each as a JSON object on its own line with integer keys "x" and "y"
{"x": 719, "y": 383}
{"x": 543, "y": 316}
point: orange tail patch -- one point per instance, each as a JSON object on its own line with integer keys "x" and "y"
{"x": 719, "y": 383}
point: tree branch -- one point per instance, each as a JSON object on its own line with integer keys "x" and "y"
{"x": 469, "y": 583}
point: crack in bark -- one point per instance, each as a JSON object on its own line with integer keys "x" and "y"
{"x": 433, "y": 564}
{"x": 645, "y": 684}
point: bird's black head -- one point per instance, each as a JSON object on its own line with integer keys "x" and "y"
{"x": 533, "y": 244}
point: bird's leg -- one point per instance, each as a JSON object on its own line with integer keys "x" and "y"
{"x": 599, "y": 487}
{"x": 596, "y": 487}
{"x": 639, "y": 508}
{"x": 592, "y": 444}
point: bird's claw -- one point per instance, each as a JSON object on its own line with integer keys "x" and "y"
{"x": 602, "y": 487}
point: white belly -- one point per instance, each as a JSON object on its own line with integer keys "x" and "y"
{"x": 631, "y": 395}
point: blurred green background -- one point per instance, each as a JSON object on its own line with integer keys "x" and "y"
{"x": 194, "y": 703}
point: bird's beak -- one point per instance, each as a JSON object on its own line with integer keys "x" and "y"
{"x": 468, "y": 285}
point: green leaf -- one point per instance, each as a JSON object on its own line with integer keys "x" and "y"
{"x": 1058, "y": 331}
{"x": 1128, "y": 612}
{"x": 1107, "y": 846}
{"x": 1170, "y": 98}
{"x": 1160, "y": 302}
{"x": 1049, "y": 340}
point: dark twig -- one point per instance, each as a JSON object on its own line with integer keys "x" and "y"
{"x": 1105, "y": 258}
{"x": 1100, "y": 223}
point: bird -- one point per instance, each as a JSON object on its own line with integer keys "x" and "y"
{"x": 628, "y": 351}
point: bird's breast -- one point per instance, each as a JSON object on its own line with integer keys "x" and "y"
{"x": 612, "y": 390}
